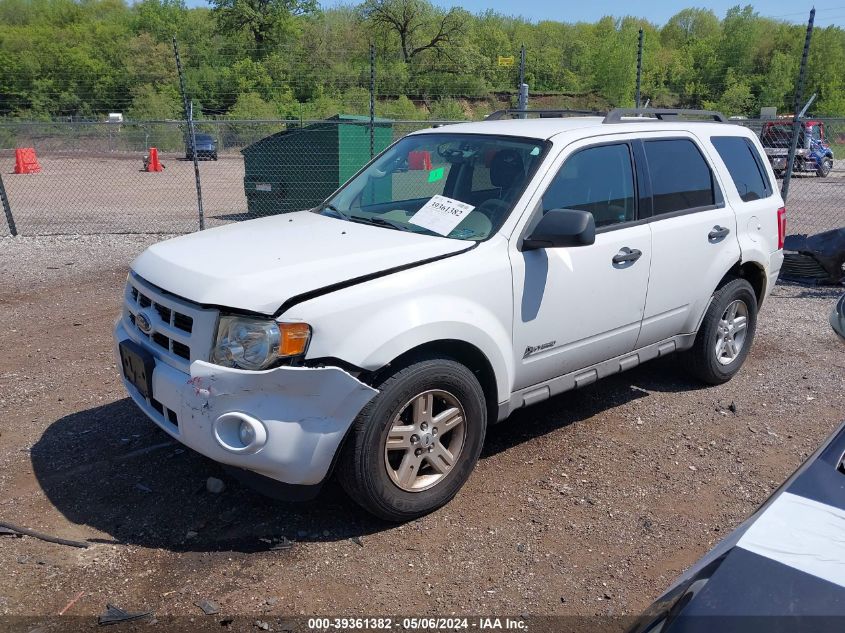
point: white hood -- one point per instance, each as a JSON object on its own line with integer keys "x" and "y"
{"x": 259, "y": 264}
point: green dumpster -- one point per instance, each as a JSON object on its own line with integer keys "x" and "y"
{"x": 299, "y": 168}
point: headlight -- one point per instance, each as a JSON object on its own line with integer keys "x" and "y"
{"x": 250, "y": 343}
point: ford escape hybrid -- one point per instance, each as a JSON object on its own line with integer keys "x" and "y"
{"x": 467, "y": 271}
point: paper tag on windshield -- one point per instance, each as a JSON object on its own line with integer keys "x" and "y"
{"x": 441, "y": 214}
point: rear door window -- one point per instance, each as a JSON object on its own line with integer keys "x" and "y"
{"x": 680, "y": 177}
{"x": 745, "y": 166}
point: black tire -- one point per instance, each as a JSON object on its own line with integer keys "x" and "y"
{"x": 779, "y": 173}
{"x": 701, "y": 360}
{"x": 362, "y": 468}
{"x": 825, "y": 168}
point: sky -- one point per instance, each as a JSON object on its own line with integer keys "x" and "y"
{"x": 655, "y": 11}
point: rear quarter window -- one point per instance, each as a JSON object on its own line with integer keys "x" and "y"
{"x": 744, "y": 165}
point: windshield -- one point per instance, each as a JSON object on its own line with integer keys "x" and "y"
{"x": 461, "y": 186}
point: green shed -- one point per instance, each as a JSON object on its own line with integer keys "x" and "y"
{"x": 300, "y": 167}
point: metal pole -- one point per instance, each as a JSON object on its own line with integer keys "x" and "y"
{"x": 189, "y": 116}
{"x": 522, "y": 103}
{"x": 522, "y": 65}
{"x": 639, "y": 67}
{"x": 7, "y": 209}
{"x": 372, "y": 100}
{"x": 796, "y": 104}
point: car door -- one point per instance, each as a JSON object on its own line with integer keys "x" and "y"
{"x": 693, "y": 233}
{"x": 576, "y": 306}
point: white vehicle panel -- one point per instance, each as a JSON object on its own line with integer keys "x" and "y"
{"x": 259, "y": 264}
{"x": 465, "y": 298}
{"x": 575, "y": 305}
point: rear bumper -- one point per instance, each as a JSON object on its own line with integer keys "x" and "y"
{"x": 775, "y": 264}
{"x": 300, "y": 415}
{"x": 203, "y": 153}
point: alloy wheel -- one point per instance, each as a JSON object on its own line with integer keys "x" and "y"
{"x": 425, "y": 440}
{"x": 731, "y": 331}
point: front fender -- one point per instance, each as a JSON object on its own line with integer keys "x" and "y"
{"x": 466, "y": 298}
{"x": 484, "y": 332}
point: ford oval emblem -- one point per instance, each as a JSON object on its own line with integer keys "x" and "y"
{"x": 143, "y": 322}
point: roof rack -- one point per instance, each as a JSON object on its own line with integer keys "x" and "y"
{"x": 624, "y": 115}
{"x": 543, "y": 114}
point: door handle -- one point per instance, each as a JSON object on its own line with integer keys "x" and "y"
{"x": 718, "y": 233}
{"x": 627, "y": 255}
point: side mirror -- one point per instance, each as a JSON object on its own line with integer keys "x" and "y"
{"x": 562, "y": 227}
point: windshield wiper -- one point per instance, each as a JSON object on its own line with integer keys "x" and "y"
{"x": 342, "y": 214}
{"x": 377, "y": 221}
{"x": 381, "y": 222}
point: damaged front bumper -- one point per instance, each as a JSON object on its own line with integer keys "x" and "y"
{"x": 285, "y": 423}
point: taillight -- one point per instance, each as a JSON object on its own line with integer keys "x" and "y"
{"x": 781, "y": 226}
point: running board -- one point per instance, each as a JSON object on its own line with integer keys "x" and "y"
{"x": 587, "y": 376}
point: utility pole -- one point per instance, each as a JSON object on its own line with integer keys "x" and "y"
{"x": 639, "y": 66}
{"x": 796, "y": 104}
{"x": 192, "y": 137}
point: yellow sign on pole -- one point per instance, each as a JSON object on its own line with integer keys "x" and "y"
{"x": 506, "y": 61}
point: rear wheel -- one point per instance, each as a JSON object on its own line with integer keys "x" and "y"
{"x": 725, "y": 336}
{"x": 825, "y": 167}
{"x": 415, "y": 444}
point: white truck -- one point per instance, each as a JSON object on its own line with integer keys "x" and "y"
{"x": 465, "y": 272}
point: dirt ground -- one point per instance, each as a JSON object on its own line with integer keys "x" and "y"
{"x": 99, "y": 194}
{"x": 590, "y": 503}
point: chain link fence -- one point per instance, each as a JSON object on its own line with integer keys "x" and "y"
{"x": 92, "y": 177}
{"x": 815, "y": 188}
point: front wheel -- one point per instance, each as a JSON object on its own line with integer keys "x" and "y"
{"x": 415, "y": 444}
{"x": 825, "y": 167}
{"x": 725, "y": 336}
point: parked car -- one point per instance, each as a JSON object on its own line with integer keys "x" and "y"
{"x": 206, "y": 146}
{"x": 812, "y": 155}
{"x": 782, "y": 570}
{"x": 464, "y": 273}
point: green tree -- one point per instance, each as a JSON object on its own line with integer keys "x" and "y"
{"x": 418, "y": 25}
{"x": 268, "y": 22}
{"x": 155, "y": 103}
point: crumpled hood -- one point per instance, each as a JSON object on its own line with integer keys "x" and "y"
{"x": 259, "y": 264}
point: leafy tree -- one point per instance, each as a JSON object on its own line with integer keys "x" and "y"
{"x": 268, "y": 22}
{"x": 250, "y": 105}
{"x": 152, "y": 103}
{"x": 418, "y": 25}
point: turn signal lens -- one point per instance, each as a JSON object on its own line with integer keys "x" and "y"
{"x": 294, "y": 339}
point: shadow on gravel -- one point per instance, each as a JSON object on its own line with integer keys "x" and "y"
{"x": 112, "y": 469}
{"x": 810, "y": 291}
{"x": 662, "y": 375}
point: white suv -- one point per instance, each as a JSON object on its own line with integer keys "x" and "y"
{"x": 465, "y": 272}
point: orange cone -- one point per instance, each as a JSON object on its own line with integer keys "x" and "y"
{"x": 25, "y": 161}
{"x": 153, "y": 163}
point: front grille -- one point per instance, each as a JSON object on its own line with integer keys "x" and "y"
{"x": 179, "y": 331}
{"x": 181, "y": 350}
{"x": 168, "y": 414}
{"x": 183, "y": 322}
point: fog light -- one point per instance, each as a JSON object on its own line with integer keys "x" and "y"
{"x": 240, "y": 433}
{"x": 246, "y": 433}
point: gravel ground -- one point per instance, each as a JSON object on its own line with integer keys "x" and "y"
{"x": 589, "y": 503}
